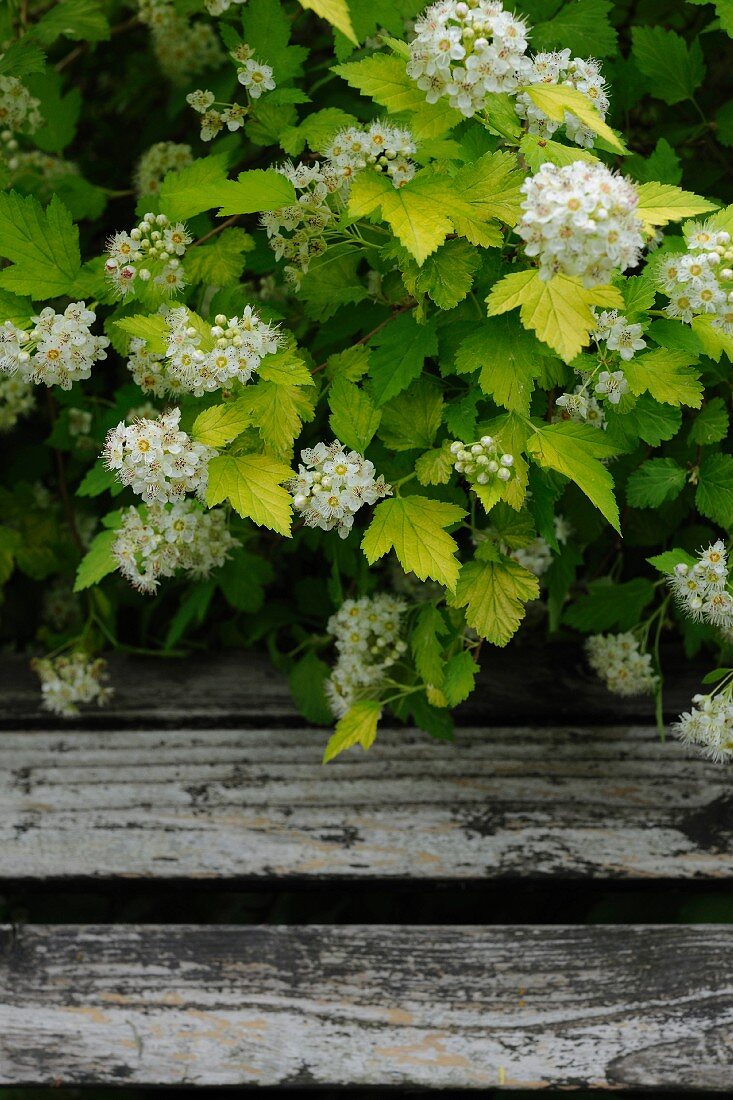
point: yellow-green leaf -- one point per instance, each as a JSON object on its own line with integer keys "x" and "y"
{"x": 494, "y": 594}
{"x": 667, "y": 374}
{"x": 416, "y": 212}
{"x": 220, "y": 424}
{"x": 357, "y": 727}
{"x": 661, "y": 203}
{"x": 253, "y": 485}
{"x": 570, "y": 449}
{"x": 384, "y": 79}
{"x": 555, "y": 99}
{"x": 415, "y": 528}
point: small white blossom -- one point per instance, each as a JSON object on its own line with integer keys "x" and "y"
{"x": 159, "y": 461}
{"x": 256, "y": 77}
{"x": 19, "y": 110}
{"x": 699, "y": 282}
{"x": 612, "y": 385}
{"x": 367, "y": 638}
{"x": 558, "y": 68}
{"x": 58, "y": 351}
{"x": 152, "y": 250}
{"x": 709, "y": 725}
{"x": 618, "y": 333}
{"x": 620, "y": 663}
{"x": 68, "y": 681}
{"x": 381, "y": 145}
{"x": 701, "y": 589}
{"x": 483, "y": 462}
{"x": 333, "y": 484}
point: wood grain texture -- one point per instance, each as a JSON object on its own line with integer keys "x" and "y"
{"x": 531, "y": 683}
{"x": 228, "y": 804}
{"x": 597, "y": 1007}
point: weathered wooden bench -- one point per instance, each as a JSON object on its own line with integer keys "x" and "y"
{"x": 200, "y": 775}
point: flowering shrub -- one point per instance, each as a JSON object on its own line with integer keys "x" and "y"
{"x": 349, "y": 329}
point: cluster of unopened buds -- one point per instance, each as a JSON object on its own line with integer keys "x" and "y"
{"x": 619, "y": 661}
{"x": 367, "y": 639}
{"x": 580, "y": 220}
{"x": 157, "y": 161}
{"x": 160, "y": 462}
{"x": 160, "y": 539}
{"x": 152, "y": 250}
{"x": 482, "y": 462}
{"x": 70, "y": 680}
{"x": 699, "y": 283}
{"x": 382, "y": 146}
{"x": 239, "y": 346}
{"x": 333, "y": 484}
{"x": 579, "y": 73}
{"x": 702, "y": 589}
{"x": 709, "y": 724}
{"x": 58, "y": 351}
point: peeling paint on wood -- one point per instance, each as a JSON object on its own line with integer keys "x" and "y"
{"x": 221, "y": 804}
{"x": 600, "y": 1007}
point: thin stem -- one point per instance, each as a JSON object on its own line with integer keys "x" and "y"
{"x": 217, "y": 229}
{"x": 62, "y": 483}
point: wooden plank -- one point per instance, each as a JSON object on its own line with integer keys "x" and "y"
{"x": 530, "y": 683}
{"x": 229, "y": 804}
{"x": 596, "y": 1007}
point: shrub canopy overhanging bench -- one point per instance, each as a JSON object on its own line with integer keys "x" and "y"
{"x": 203, "y": 771}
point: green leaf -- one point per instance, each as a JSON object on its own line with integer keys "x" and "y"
{"x": 354, "y": 419}
{"x": 459, "y": 677}
{"x": 667, "y": 375}
{"x": 98, "y": 480}
{"x": 383, "y": 79}
{"x": 661, "y": 166}
{"x": 661, "y": 203}
{"x": 656, "y": 481}
{"x": 332, "y": 281}
{"x": 675, "y": 70}
{"x": 22, "y": 57}
{"x": 558, "y": 309}
{"x": 574, "y": 450}
{"x": 97, "y": 562}
{"x": 260, "y": 189}
{"x": 307, "y": 681}
{"x": 538, "y": 150}
{"x": 316, "y": 131}
{"x": 670, "y": 559}
{"x": 494, "y": 594}
{"x": 279, "y": 411}
{"x": 267, "y": 27}
{"x": 508, "y": 358}
{"x": 357, "y": 727}
{"x": 14, "y": 308}
{"x": 555, "y": 99}
{"x": 60, "y": 111}
{"x": 426, "y": 645}
{"x": 153, "y": 330}
{"x": 222, "y": 261}
{"x": 335, "y": 12}
{"x": 415, "y": 528}
{"x": 713, "y": 340}
{"x": 489, "y": 188}
{"x": 711, "y": 423}
{"x": 412, "y": 419}
{"x": 286, "y": 368}
{"x": 79, "y": 20}
{"x": 434, "y": 467}
{"x": 221, "y": 424}
{"x": 400, "y": 350}
{"x": 42, "y": 244}
{"x": 610, "y": 606}
{"x": 198, "y": 187}
{"x": 447, "y": 275}
{"x": 242, "y": 579}
{"x": 582, "y": 27}
{"x": 714, "y": 496}
{"x": 416, "y": 212}
{"x": 252, "y": 484}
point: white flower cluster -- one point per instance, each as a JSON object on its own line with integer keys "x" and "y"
{"x": 44, "y": 166}
{"x": 618, "y": 334}
{"x": 618, "y": 660}
{"x": 157, "y": 161}
{"x": 183, "y": 48}
{"x": 580, "y": 220}
{"x": 537, "y": 556}
{"x": 558, "y": 68}
{"x": 709, "y": 725}
{"x": 58, "y": 351}
{"x": 699, "y": 283}
{"x": 68, "y": 681}
{"x": 157, "y": 541}
{"x": 381, "y": 145}
{"x": 367, "y": 638}
{"x": 297, "y": 233}
{"x": 239, "y": 346}
{"x": 482, "y": 462}
{"x": 153, "y": 249}
{"x": 159, "y": 461}
{"x": 702, "y": 589}
{"x": 582, "y": 407}
{"x": 16, "y": 400}
{"x": 148, "y": 370}
{"x": 218, "y": 7}
{"x": 255, "y": 76}
{"x": 333, "y": 484}
{"x": 19, "y": 110}
{"x": 465, "y": 50}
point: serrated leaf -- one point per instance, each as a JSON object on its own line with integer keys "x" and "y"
{"x": 415, "y": 212}
{"x": 400, "y": 350}
{"x": 447, "y": 275}
{"x": 79, "y": 20}
{"x": 668, "y": 375}
{"x": 714, "y": 496}
{"x": 153, "y": 330}
{"x": 43, "y": 246}
{"x": 221, "y": 261}
{"x": 98, "y": 480}
{"x": 426, "y": 645}
{"x": 335, "y": 12}
{"x": 267, "y": 28}
{"x": 354, "y": 419}
{"x": 494, "y": 594}
{"x": 675, "y": 69}
{"x": 286, "y": 368}
{"x": 22, "y": 57}
{"x": 435, "y": 467}
{"x": 253, "y": 485}
{"x": 260, "y": 189}
{"x": 538, "y": 150}
{"x": 459, "y": 677}
{"x": 414, "y": 528}
{"x": 555, "y": 99}
{"x": 582, "y": 27}
{"x": 357, "y": 727}
{"x": 557, "y": 309}
{"x": 574, "y": 450}
{"x": 411, "y": 420}
{"x": 97, "y": 562}
{"x": 384, "y": 79}
{"x": 656, "y": 481}
{"x": 608, "y": 606}
{"x": 661, "y": 203}
{"x": 508, "y": 358}
{"x": 711, "y": 424}
{"x": 670, "y": 559}
{"x": 279, "y": 411}
{"x": 198, "y": 187}
{"x": 221, "y": 424}
{"x": 306, "y": 684}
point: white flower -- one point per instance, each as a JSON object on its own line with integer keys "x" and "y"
{"x": 466, "y": 50}
{"x": 58, "y": 351}
{"x": 557, "y": 68}
{"x": 701, "y": 590}
{"x": 332, "y": 484}
{"x": 699, "y": 282}
{"x": 256, "y": 78}
{"x": 537, "y": 556}
{"x": 68, "y": 681}
{"x": 16, "y": 399}
{"x": 157, "y": 541}
{"x": 483, "y": 462}
{"x": 580, "y": 220}
{"x": 152, "y": 249}
{"x": 159, "y": 461}
{"x": 157, "y": 161}
{"x": 366, "y": 634}
{"x": 619, "y": 662}
{"x": 612, "y": 384}
{"x": 709, "y": 725}
{"x": 382, "y": 146}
